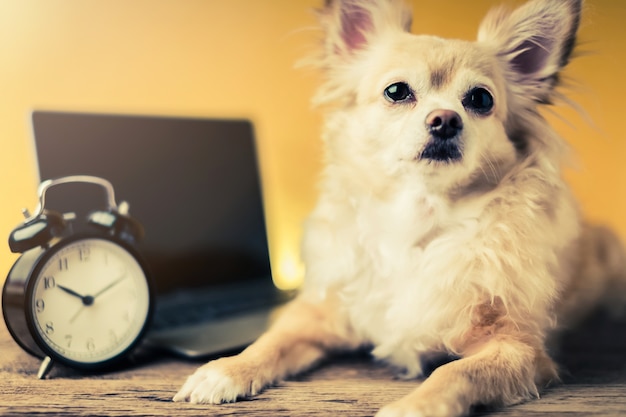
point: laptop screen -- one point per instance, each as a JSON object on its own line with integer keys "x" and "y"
{"x": 193, "y": 183}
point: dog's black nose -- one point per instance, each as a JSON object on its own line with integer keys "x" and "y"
{"x": 444, "y": 124}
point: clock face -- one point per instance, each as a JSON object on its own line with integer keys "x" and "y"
{"x": 89, "y": 301}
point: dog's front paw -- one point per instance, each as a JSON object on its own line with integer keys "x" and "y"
{"x": 219, "y": 381}
{"x": 422, "y": 408}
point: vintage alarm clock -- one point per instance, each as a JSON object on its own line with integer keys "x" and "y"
{"x": 81, "y": 299}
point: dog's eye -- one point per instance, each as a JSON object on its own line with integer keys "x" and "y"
{"x": 398, "y": 92}
{"x": 478, "y": 100}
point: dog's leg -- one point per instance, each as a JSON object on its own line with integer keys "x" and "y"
{"x": 500, "y": 371}
{"x": 303, "y": 334}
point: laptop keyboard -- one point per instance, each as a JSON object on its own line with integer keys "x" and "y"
{"x": 189, "y": 308}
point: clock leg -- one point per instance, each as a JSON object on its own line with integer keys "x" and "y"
{"x": 45, "y": 367}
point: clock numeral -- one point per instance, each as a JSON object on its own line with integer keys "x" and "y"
{"x": 49, "y": 327}
{"x": 39, "y": 305}
{"x": 68, "y": 340}
{"x": 83, "y": 254}
{"x": 113, "y": 336}
{"x": 63, "y": 264}
{"x": 91, "y": 344}
{"x": 48, "y": 283}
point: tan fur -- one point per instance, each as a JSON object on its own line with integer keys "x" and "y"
{"x": 467, "y": 243}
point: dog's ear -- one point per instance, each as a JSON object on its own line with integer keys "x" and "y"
{"x": 535, "y": 41}
{"x": 350, "y": 25}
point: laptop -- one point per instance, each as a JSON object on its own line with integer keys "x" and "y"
{"x": 194, "y": 184}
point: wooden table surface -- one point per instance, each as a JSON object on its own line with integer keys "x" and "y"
{"x": 594, "y": 385}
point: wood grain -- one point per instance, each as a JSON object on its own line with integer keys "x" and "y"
{"x": 595, "y": 385}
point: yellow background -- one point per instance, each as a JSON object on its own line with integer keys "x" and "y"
{"x": 235, "y": 58}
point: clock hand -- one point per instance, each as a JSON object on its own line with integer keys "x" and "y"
{"x": 111, "y": 285}
{"x": 89, "y": 299}
{"x": 86, "y": 299}
{"x": 71, "y": 292}
{"x": 77, "y": 313}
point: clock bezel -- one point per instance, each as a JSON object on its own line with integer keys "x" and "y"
{"x": 38, "y": 259}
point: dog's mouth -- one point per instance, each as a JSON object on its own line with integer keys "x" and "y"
{"x": 438, "y": 150}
